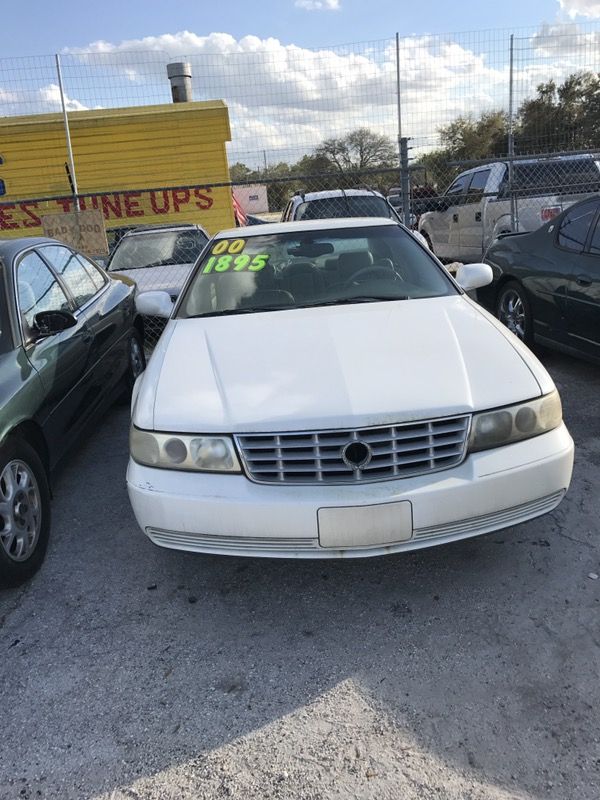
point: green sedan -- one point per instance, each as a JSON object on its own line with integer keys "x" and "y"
{"x": 70, "y": 344}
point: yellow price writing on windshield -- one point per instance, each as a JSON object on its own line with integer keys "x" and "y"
{"x": 228, "y": 262}
{"x": 233, "y": 246}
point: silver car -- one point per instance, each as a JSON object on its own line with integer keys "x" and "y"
{"x": 158, "y": 258}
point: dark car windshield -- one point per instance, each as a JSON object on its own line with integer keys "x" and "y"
{"x": 345, "y": 206}
{"x": 157, "y": 249}
{"x": 312, "y": 268}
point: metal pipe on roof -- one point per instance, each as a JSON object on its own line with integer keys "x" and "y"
{"x": 180, "y": 75}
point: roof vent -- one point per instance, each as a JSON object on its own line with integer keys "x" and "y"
{"x": 180, "y": 75}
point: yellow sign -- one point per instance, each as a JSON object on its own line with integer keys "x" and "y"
{"x": 195, "y": 204}
{"x": 82, "y": 230}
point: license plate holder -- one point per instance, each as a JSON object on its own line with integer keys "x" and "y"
{"x": 365, "y": 526}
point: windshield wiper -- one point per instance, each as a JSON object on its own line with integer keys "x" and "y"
{"x": 230, "y": 311}
{"x": 258, "y": 310}
{"x": 356, "y": 299}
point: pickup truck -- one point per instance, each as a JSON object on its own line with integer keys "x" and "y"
{"x": 476, "y": 208}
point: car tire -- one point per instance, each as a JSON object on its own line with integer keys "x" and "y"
{"x": 514, "y": 310}
{"x": 136, "y": 363}
{"x": 24, "y": 512}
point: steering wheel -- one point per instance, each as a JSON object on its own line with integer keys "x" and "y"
{"x": 371, "y": 272}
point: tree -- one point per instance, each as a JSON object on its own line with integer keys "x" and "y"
{"x": 239, "y": 172}
{"x": 359, "y": 150}
{"x": 475, "y": 138}
{"x": 561, "y": 117}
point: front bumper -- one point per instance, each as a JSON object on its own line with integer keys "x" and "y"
{"x": 229, "y": 514}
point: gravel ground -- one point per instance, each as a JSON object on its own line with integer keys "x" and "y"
{"x": 463, "y": 672}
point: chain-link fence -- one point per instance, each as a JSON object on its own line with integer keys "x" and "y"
{"x": 465, "y": 135}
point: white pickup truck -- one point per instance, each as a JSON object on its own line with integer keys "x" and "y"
{"x": 476, "y": 207}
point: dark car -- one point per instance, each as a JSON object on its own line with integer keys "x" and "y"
{"x": 546, "y": 286}
{"x": 70, "y": 343}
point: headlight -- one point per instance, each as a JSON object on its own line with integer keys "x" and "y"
{"x": 515, "y": 423}
{"x": 180, "y": 451}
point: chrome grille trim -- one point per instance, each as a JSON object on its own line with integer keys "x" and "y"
{"x": 494, "y": 521}
{"x": 314, "y": 457}
{"x": 187, "y": 540}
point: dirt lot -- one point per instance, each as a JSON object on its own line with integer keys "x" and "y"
{"x": 462, "y": 672}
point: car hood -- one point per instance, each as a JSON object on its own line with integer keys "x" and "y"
{"x": 333, "y": 367}
{"x": 169, "y": 278}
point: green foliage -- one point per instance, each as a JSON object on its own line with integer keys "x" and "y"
{"x": 470, "y": 138}
{"x": 561, "y": 117}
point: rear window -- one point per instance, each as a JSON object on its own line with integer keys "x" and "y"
{"x": 557, "y": 177}
{"x": 348, "y": 206}
{"x": 574, "y": 229}
{"x": 157, "y": 249}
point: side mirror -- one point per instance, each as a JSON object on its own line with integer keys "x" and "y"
{"x": 154, "y": 304}
{"x": 47, "y": 323}
{"x": 474, "y": 276}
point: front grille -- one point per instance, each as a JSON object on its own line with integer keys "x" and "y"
{"x": 396, "y": 451}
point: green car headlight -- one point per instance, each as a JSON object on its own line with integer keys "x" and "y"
{"x": 194, "y": 453}
{"x": 515, "y": 423}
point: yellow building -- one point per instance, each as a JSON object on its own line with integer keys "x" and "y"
{"x": 141, "y": 165}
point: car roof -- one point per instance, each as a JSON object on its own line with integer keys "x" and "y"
{"x": 331, "y": 193}
{"x": 540, "y": 161}
{"x": 177, "y": 226}
{"x": 9, "y": 248}
{"x": 338, "y": 223}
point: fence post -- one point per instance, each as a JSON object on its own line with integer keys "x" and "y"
{"x": 405, "y": 180}
{"x": 73, "y": 175}
{"x": 514, "y": 215}
{"x": 402, "y": 145}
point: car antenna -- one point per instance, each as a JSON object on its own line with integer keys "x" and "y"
{"x": 345, "y": 196}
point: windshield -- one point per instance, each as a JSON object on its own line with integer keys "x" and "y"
{"x": 346, "y": 206}
{"x": 312, "y": 268}
{"x": 157, "y": 249}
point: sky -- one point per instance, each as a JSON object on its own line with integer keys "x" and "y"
{"x": 39, "y": 27}
{"x": 294, "y": 72}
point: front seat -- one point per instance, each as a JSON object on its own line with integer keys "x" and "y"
{"x": 350, "y": 263}
{"x": 304, "y": 281}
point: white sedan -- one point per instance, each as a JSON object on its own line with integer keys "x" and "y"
{"x": 325, "y": 389}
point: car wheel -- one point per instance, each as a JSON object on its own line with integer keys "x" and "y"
{"x": 24, "y": 512}
{"x": 136, "y": 363}
{"x": 513, "y": 310}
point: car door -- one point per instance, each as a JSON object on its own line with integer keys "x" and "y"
{"x": 86, "y": 285}
{"x": 578, "y": 236}
{"x": 60, "y": 360}
{"x": 470, "y": 218}
{"x": 444, "y": 223}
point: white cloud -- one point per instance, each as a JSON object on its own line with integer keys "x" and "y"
{"x": 285, "y": 99}
{"x": 42, "y": 100}
{"x": 581, "y": 8}
{"x": 318, "y": 5}
{"x": 50, "y": 99}
{"x": 567, "y": 40}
